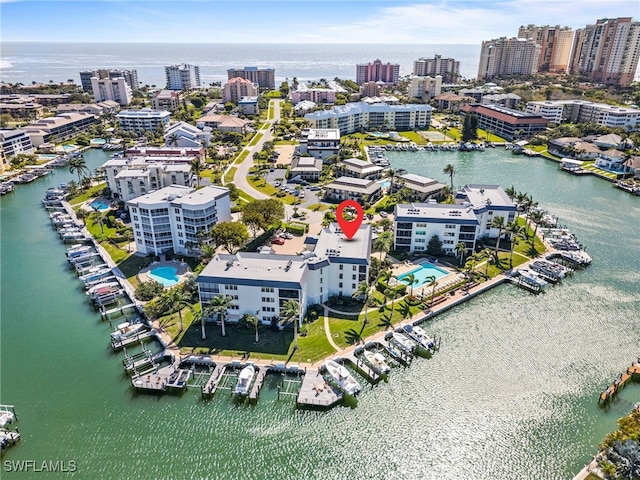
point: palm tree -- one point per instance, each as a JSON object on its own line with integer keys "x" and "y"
{"x": 82, "y": 214}
{"x": 411, "y": 279}
{"x": 461, "y": 251}
{"x": 253, "y": 320}
{"x": 432, "y": 283}
{"x": 383, "y": 243}
{"x": 498, "y": 222}
{"x": 175, "y": 297}
{"x": 451, "y": 171}
{"x": 289, "y": 314}
{"x": 536, "y": 217}
{"x": 219, "y": 305}
{"x": 172, "y": 140}
{"x": 491, "y": 259}
{"x": 79, "y": 166}
{"x": 516, "y": 232}
{"x": 199, "y": 316}
{"x": 511, "y": 192}
{"x": 207, "y": 252}
{"x": 196, "y": 167}
{"x": 362, "y": 291}
{"x": 97, "y": 215}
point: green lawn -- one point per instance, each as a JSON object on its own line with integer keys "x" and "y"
{"x": 228, "y": 177}
{"x": 86, "y": 195}
{"x": 256, "y": 138}
{"x": 242, "y": 156}
{"x": 490, "y": 137}
{"x": 261, "y": 185}
{"x": 318, "y": 207}
{"x": 414, "y": 137}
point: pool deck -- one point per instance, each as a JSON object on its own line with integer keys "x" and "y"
{"x": 182, "y": 269}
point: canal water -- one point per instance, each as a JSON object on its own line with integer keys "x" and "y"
{"x": 512, "y": 394}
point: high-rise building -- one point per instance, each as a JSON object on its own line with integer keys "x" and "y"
{"x": 425, "y": 88}
{"x": 555, "y": 46}
{"x": 182, "y": 77}
{"x": 130, "y": 76}
{"x": 503, "y": 57}
{"x": 607, "y": 51}
{"x": 111, "y": 89}
{"x": 264, "y": 77}
{"x": 377, "y": 71}
{"x": 448, "y": 68}
{"x": 236, "y": 88}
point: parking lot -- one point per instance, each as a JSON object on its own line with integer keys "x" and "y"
{"x": 309, "y": 197}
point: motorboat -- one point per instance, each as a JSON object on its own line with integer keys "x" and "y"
{"x": 6, "y": 418}
{"x": 95, "y": 273}
{"x": 78, "y": 251}
{"x": 126, "y": 330}
{"x": 403, "y": 342}
{"x": 419, "y": 335}
{"x": 532, "y": 277}
{"x": 104, "y": 288}
{"x": 342, "y": 377}
{"x": 377, "y": 361}
{"x": 244, "y": 380}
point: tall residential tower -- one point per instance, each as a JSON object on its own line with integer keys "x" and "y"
{"x": 503, "y": 57}
{"x": 182, "y": 77}
{"x": 555, "y": 46}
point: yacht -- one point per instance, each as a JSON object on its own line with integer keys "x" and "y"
{"x": 419, "y": 335}
{"x": 403, "y": 342}
{"x": 342, "y": 377}
{"x": 244, "y": 380}
{"x": 376, "y": 361}
{"x": 126, "y": 330}
{"x": 103, "y": 288}
{"x": 532, "y": 277}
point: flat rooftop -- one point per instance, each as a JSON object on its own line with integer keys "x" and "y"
{"x": 334, "y": 244}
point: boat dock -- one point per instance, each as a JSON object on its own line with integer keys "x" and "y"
{"x": 120, "y": 309}
{"x": 254, "y": 393}
{"x": 210, "y": 387}
{"x": 615, "y": 387}
{"x": 316, "y": 393}
{"x": 138, "y": 337}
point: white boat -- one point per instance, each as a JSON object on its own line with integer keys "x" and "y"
{"x": 6, "y": 418}
{"x": 419, "y": 335}
{"x": 126, "y": 330}
{"x": 342, "y": 377}
{"x": 78, "y": 251}
{"x": 532, "y": 277}
{"x": 403, "y": 342}
{"x": 244, "y": 380}
{"x": 95, "y": 273}
{"x": 103, "y": 288}
{"x": 376, "y": 361}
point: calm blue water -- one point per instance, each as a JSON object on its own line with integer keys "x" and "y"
{"x": 165, "y": 275}
{"x": 100, "y": 205}
{"x": 422, "y": 273}
{"x": 27, "y": 62}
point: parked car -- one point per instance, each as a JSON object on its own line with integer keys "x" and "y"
{"x": 383, "y": 214}
{"x": 286, "y": 235}
{"x": 302, "y": 194}
{"x": 278, "y": 241}
{"x": 370, "y": 216}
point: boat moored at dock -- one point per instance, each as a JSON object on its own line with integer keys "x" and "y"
{"x": 244, "y": 380}
{"x": 342, "y": 377}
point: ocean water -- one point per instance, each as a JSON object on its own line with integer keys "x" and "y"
{"x": 42, "y": 62}
{"x": 512, "y": 394}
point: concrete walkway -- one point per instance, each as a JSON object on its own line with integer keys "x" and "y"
{"x": 327, "y": 330}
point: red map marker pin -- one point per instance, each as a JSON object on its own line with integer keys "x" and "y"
{"x": 349, "y": 228}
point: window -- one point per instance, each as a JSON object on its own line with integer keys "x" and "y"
{"x": 266, "y": 289}
{"x": 135, "y": 217}
{"x": 268, "y": 300}
{"x": 340, "y": 268}
{"x": 231, "y": 287}
{"x": 353, "y": 285}
{"x": 354, "y": 268}
{"x": 340, "y": 285}
{"x": 421, "y": 232}
{"x": 353, "y": 277}
{"x": 340, "y": 276}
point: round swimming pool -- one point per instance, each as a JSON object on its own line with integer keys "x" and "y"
{"x": 167, "y": 276}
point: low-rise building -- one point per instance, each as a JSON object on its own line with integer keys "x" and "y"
{"x": 425, "y": 88}
{"x": 59, "y": 128}
{"x": 306, "y": 168}
{"x": 452, "y": 101}
{"x": 166, "y": 100}
{"x": 509, "y": 100}
{"x": 315, "y": 95}
{"x": 420, "y": 188}
{"x": 177, "y": 218}
{"x": 354, "y": 117}
{"x": 20, "y": 110}
{"x": 320, "y": 142}
{"x": 98, "y": 109}
{"x": 249, "y": 105}
{"x": 357, "y": 168}
{"x": 581, "y": 111}
{"x": 167, "y": 152}
{"x": 505, "y": 122}
{"x": 13, "y": 142}
{"x": 143, "y": 120}
{"x": 183, "y": 134}
{"x": 348, "y": 188}
{"x": 223, "y": 123}
{"x": 466, "y": 221}
{"x": 263, "y": 282}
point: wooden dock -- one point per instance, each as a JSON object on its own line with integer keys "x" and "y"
{"x": 355, "y": 362}
{"x": 257, "y": 384}
{"x": 121, "y": 309}
{"x": 210, "y": 387}
{"x": 138, "y": 337}
{"x": 615, "y": 387}
{"x": 316, "y": 394}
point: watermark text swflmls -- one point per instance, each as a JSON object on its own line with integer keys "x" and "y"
{"x": 37, "y": 466}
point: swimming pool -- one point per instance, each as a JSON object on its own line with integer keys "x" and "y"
{"x": 385, "y": 183}
{"x": 100, "y": 205}
{"x": 422, "y": 273}
{"x": 98, "y": 141}
{"x": 167, "y": 276}
{"x": 69, "y": 148}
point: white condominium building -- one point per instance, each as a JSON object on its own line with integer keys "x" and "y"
{"x": 465, "y": 221}
{"x": 425, "y": 88}
{"x": 262, "y": 283}
{"x": 143, "y": 120}
{"x": 502, "y": 57}
{"x": 177, "y": 218}
{"x": 352, "y": 117}
{"x": 182, "y": 77}
{"x": 13, "y": 142}
{"x": 115, "y": 89}
{"x": 580, "y": 111}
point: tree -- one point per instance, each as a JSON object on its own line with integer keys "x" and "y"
{"x": 434, "y": 247}
{"x": 516, "y": 232}
{"x": 536, "y": 217}
{"x": 383, "y": 243}
{"x": 470, "y": 127}
{"x": 411, "y": 279}
{"x": 97, "y": 216}
{"x": 206, "y": 253}
{"x": 461, "y": 251}
{"x": 229, "y": 235}
{"x": 499, "y": 223}
{"x": 220, "y": 305}
{"x": 363, "y": 291}
{"x": 254, "y": 321}
{"x": 451, "y": 171}
{"x": 289, "y": 313}
{"x": 433, "y": 284}
{"x": 5, "y": 118}
{"x": 176, "y": 299}
{"x": 79, "y": 166}
{"x": 82, "y": 214}
{"x": 148, "y": 290}
{"x": 196, "y": 167}
{"x": 263, "y": 213}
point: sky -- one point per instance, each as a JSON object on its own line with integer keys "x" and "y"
{"x": 294, "y": 21}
